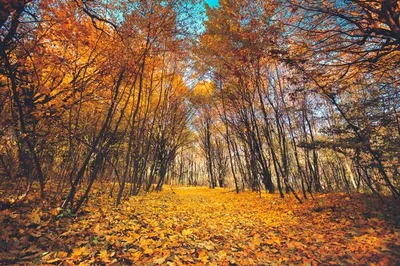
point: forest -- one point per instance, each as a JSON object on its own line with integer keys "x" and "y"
{"x": 177, "y": 132}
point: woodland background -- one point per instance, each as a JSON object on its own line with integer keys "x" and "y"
{"x": 289, "y": 97}
{"x": 293, "y": 96}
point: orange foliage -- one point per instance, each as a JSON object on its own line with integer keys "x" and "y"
{"x": 202, "y": 226}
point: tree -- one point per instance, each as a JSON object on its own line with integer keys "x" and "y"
{"x": 348, "y": 53}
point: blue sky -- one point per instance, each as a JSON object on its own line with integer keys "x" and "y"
{"x": 201, "y": 16}
{"x": 212, "y": 2}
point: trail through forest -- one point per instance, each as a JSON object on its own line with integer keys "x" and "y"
{"x": 184, "y": 226}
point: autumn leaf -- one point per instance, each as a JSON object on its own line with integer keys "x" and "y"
{"x": 104, "y": 256}
{"x": 265, "y": 235}
{"x": 78, "y": 253}
{"x": 159, "y": 261}
{"x": 148, "y": 251}
{"x": 34, "y": 216}
{"x": 136, "y": 256}
{"x": 202, "y": 256}
{"x": 187, "y": 232}
{"x": 62, "y": 254}
{"x": 222, "y": 253}
{"x": 55, "y": 260}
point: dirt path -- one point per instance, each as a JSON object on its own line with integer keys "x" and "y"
{"x": 216, "y": 227}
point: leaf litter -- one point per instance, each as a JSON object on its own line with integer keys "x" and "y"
{"x": 200, "y": 226}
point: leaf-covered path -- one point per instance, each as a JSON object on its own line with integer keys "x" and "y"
{"x": 202, "y": 226}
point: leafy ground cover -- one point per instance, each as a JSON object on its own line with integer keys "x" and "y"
{"x": 187, "y": 226}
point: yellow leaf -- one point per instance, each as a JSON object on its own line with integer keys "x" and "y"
{"x": 96, "y": 229}
{"x": 259, "y": 254}
{"x": 269, "y": 242}
{"x": 209, "y": 246}
{"x": 55, "y": 211}
{"x": 62, "y": 254}
{"x": 186, "y": 232}
{"x": 54, "y": 261}
{"x": 159, "y": 261}
{"x": 256, "y": 242}
{"x": 274, "y": 250}
{"x": 78, "y": 253}
{"x": 103, "y": 255}
{"x": 34, "y": 216}
{"x": 136, "y": 256}
{"x": 144, "y": 243}
{"x": 148, "y": 251}
{"x": 222, "y": 253}
{"x": 203, "y": 256}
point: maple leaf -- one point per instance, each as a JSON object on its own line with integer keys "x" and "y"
{"x": 78, "y": 253}
{"x": 187, "y": 232}
{"x": 34, "y": 216}
{"x": 104, "y": 256}
{"x": 159, "y": 261}
{"x": 222, "y": 253}
{"x": 148, "y": 251}
{"x": 136, "y": 256}
{"x": 203, "y": 256}
{"x": 62, "y": 254}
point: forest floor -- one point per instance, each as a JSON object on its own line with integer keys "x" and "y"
{"x": 201, "y": 226}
